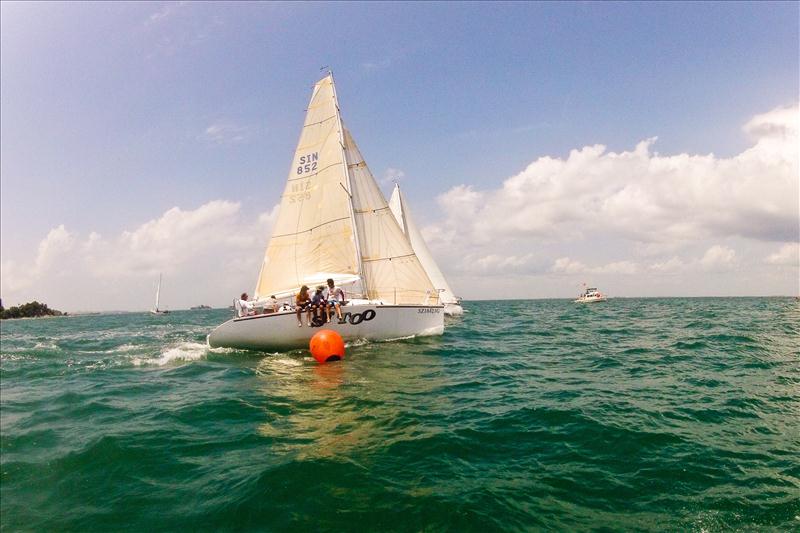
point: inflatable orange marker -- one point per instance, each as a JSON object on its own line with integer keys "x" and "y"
{"x": 327, "y": 345}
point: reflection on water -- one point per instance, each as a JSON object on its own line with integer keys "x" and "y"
{"x": 349, "y": 407}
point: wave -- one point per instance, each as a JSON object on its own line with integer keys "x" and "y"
{"x": 184, "y": 351}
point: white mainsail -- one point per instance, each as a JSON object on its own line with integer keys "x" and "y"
{"x": 402, "y": 215}
{"x": 158, "y": 292}
{"x": 155, "y": 310}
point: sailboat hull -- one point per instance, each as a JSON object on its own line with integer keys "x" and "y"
{"x": 453, "y": 309}
{"x": 368, "y": 321}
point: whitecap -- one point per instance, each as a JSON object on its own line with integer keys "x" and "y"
{"x": 185, "y": 351}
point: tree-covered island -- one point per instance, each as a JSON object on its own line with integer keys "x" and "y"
{"x": 28, "y": 310}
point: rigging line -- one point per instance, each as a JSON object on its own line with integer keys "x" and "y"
{"x": 310, "y": 229}
{"x": 387, "y": 258}
{"x": 320, "y": 122}
{"x": 362, "y": 211}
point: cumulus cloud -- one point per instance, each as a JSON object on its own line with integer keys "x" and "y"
{"x": 787, "y": 255}
{"x": 213, "y": 247}
{"x": 565, "y": 265}
{"x": 718, "y": 257}
{"x": 642, "y": 196}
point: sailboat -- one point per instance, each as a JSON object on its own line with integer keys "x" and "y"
{"x": 155, "y": 310}
{"x": 399, "y": 207}
{"x": 334, "y": 223}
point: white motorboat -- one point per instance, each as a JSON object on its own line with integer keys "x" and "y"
{"x": 334, "y": 222}
{"x": 155, "y": 310}
{"x": 401, "y": 212}
{"x": 591, "y": 295}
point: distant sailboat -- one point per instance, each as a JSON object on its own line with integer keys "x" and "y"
{"x": 156, "y": 310}
{"x": 399, "y": 207}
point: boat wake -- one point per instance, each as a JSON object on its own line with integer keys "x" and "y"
{"x": 184, "y": 351}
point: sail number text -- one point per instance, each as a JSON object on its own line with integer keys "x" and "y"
{"x": 300, "y": 191}
{"x": 308, "y": 163}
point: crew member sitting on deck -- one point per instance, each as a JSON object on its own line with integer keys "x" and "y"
{"x": 245, "y": 307}
{"x": 303, "y": 302}
{"x": 318, "y": 303}
{"x": 273, "y": 305}
{"x": 335, "y": 298}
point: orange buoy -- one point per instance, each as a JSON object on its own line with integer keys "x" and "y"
{"x": 327, "y": 345}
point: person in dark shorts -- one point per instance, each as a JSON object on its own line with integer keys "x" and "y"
{"x": 318, "y": 303}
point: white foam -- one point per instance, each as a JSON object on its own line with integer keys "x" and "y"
{"x": 185, "y": 351}
{"x": 45, "y": 346}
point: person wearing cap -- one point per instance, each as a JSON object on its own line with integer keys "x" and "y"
{"x": 318, "y": 303}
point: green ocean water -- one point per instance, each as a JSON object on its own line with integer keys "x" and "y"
{"x": 635, "y": 415}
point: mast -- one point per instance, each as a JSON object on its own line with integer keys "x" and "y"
{"x": 349, "y": 189}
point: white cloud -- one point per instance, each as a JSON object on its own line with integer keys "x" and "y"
{"x": 204, "y": 253}
{"x": 787, "y": 255}
{"x": 377, "y": 65}
{"x": 565, "y": 265}
{"x": 166, "y": 11}
{"x": 718, "y": 258}
{"x": 224, "y": 133}
{"x": 642, "y": 196}
{"x": 671, "y": 266}
{"x": 391, "y": 175}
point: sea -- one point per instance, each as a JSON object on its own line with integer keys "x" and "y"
{"x": 662, "y": 414}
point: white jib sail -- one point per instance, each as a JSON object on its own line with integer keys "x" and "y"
{"x": 313, "y": 237}
{"x": 391, "y": 270}
{"x": 401, "y": 213}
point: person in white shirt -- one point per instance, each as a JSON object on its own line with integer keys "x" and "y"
{"x": 335, "y": 298}
{"x": 273, "y": 303}
{"x": 245, "y": 307}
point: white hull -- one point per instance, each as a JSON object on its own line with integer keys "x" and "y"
{"x": 453, "y": 310}
{"x": 372, "y": 322}
{"x": 590, "y": 299}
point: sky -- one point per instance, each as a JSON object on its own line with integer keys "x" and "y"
{"x": 649, "y": 149}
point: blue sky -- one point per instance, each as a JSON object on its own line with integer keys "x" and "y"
{"x": 112, "y": 114}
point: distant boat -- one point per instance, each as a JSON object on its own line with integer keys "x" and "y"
{"x": 156, "y": 310}
{"x": 200, "y": 307}
{"x": 590, "y": 295}
{"x": 399, "y": 207}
